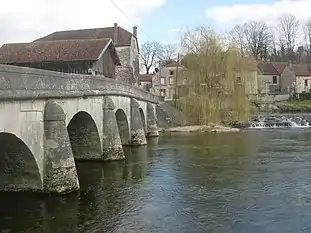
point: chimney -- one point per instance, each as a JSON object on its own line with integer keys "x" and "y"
{"x": 115, "y": 33}
{"x": 135, "y": 31}
{"x": 290, "y": 64}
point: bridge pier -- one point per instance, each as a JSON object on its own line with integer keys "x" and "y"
{"x": 152, "y": 129}
{"x": 60, "y": 174}
{"x": 138, "y": 136}
{"x": 112, "y": 145}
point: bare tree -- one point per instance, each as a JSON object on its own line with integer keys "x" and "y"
{"x": 253, "y": 39}
{"x": 307, "y": 37}
{"x": 149, "y": 54}
{"x": 289, "y": 32}
{"x": 167, "y": 53}
{"x": 237, "y": 37}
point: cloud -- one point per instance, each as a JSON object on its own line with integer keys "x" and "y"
{"x": 174, "y": 30}
{"x": 26, "y": 20}
{"x": 228, "y": 15}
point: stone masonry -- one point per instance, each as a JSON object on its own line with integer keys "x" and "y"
{"x": 53, "y": 119}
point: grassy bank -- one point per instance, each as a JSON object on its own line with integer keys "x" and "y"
{"x": 295, "y": 106}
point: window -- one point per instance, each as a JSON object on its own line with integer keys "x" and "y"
{"x": 171, "y": 72}
{"x": 275, "y": 80}
{"x": 162, "y": 92}
{"x": 306, "y": 82}
{"x": 162, "y": 81}
{"x": 172, "y": 81}
{"x": 238, "y": 79}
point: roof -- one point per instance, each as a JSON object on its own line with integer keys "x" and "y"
{"x": 279, "y": 66}
{"x": 145, "y": 78}
{"x": 302, "y": 69}
{"x": 63, "y": 50}
{"x": 273, "y": 68}
{"x": 124, "y": 36}
{"x": 172, "y": 64}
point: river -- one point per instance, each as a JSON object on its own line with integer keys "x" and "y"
{"x": 242, "y": 182}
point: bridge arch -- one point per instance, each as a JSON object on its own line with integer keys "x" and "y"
{"x": 84, "y": 137}
{"x": 123, "y": 126}
{"x": 19, "y": 169}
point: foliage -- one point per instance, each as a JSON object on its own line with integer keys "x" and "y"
{"x": 215, "y": 93}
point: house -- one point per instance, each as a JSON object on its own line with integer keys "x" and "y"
{"x": 164, "y": 81}
{"x": 302, "y": 77}
{"x": 269, "y": 77}
{"x": 145, "y": 81}
{"x": 298, "y": 77}
{"x": 126, "y": 44}
{"x": 69, "y": 56}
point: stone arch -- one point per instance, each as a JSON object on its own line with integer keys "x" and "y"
{"x": 143, "y": 119}
{"x": 84, "y": 137}
{"x": 123, "y": 127}
{"x": 19, "y": 169}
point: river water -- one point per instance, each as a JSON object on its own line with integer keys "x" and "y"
{"x": 244, "y": 182}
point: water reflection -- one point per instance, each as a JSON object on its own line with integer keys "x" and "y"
{"x": 253, "y": 181}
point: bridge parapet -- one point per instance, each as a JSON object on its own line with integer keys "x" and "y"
{"x": 27, "y": 83}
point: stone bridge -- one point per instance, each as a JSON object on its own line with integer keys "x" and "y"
{"x": 49, "y": 119}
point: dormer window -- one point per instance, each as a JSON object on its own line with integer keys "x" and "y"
{"x": 171, "y": 72}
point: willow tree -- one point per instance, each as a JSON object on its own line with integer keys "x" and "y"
{"x": 215, "y": 73}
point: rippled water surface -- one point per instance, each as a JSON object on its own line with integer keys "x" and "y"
{"x": 253, "y": 181}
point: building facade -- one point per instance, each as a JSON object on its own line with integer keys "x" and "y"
{"x": 297, "y": 77}
{"x": 125, "y": 42}
{"x": 97, "y": 57}
{"x": 164, "y": 81}
{"x": 145, "y": 82}
{"x": 269, "y": 77}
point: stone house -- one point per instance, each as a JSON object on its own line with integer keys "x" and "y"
{"x": 297, "y": 77}
{"x": 164, "y": 81}
{"x": 145, "y": 81}
{"x": 269, "y": 77}
{"x": 126, "y": 44}
{"x": 96, "y": 56}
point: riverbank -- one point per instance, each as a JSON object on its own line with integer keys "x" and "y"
{"x": 200, "y": 128}
{"x": 301, "y": 106}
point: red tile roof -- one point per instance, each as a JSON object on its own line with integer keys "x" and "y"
{"x": 63, "y": 50}
{"x": 145, "y": 78}
{"x": 124, "y": 36}
{"x": 279, "y": 66}
{"x": 273, "y": 68}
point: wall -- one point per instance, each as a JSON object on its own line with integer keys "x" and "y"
{"x": 134, "y": 58}
{"x": 251, "y": 83}
{"x": 287, "y": 80}
{"x": 168, "y": 86}
{"x": 27, "y": 83}
{"x": 145, "y": 85}
{"x": 75, "y": 67}
{"x": 125, "y": 72}
{"x": 300, "y": 84}
{"x": 105, "y": 65}
{"x": 262, "y": 86}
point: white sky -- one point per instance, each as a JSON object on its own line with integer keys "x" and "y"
{"x": 26, "y": 20}
{"x": 228, "y": 15}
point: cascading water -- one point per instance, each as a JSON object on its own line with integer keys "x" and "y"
{"x": 260, "y": 122}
